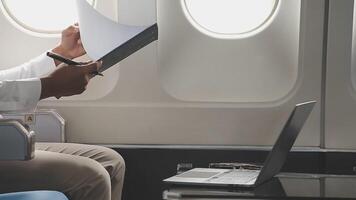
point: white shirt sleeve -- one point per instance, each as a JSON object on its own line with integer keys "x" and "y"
{"x": 20, "y": 87}
{"x": 32, "y": 69}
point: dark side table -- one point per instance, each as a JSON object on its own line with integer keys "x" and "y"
{"x": 284, "y": 186}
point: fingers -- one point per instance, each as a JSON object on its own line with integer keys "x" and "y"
{"x": 72, "y": 29}
{"x": 92, "y": 68}
{"x": 100, "y": 64}
{"x": 80, "y": 42}
{"x": 75, "y": 27}
{"x": 86, "y": 62}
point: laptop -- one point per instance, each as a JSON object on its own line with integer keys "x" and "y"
{"x": 251, "y": 177}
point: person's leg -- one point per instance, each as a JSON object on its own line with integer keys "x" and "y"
{"x": 78, "y": 177}
{"x": 108, "y": 158}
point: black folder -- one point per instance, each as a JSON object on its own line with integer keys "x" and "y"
{"x": 129, "y": 47}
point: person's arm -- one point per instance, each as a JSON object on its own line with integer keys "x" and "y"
{"x": 24, "y": 94}
{"x": 19, "y": 95}
{"x": 68, "y": 80}
{"x": 21, "y": 87}
{"x": 69, "y": 47}
{"x": 35, "y": 68}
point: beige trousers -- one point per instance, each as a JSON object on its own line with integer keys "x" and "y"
{"x": 82, "y": 172}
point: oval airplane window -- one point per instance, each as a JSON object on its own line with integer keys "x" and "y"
{"x": 230, "y": 18}
{"x": 42, "y": 16}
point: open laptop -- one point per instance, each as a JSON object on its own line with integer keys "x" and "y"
{"x": 251, "y": 178}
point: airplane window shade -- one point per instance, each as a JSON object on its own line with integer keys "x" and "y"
{"x": 230, "y": 18}
{"x": 41, "y": 16}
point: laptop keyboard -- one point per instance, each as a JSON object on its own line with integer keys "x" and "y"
{"x": 236, "y": 177}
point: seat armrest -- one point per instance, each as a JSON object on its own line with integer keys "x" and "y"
{"x": 16, "y": 142}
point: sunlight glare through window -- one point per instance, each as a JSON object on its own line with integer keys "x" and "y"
{"x": 42, "y": 16}
{"x": 230, "y": 16}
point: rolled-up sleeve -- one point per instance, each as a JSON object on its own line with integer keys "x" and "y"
{"x": 20, "y": 87}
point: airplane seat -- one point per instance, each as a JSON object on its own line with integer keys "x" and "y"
{"x": 34, "y": 195}
{"x": 18, "y": 143}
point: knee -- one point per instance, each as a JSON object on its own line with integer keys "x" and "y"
{"x": 93, "y": 170}
{"x": 115, "y": 164}
{"x": 94, "y": 181}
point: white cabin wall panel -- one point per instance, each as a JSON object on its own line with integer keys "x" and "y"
{"x": 139, "y": 111}
{"x": 140, "y": 124}
{"x": 194, "y": 66}
{"x": 310, "y": 63}
{"x": 137, "y": 12}
{"x": 139, "y": 81}
{"x": 18, "y": 47}
{"x": 340, "y": 126}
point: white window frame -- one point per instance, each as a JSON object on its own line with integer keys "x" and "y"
{"x": 26, "y": 28}
{"x": 219, "y": 35}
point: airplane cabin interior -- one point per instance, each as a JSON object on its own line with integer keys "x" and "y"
{"x": 177, "y": 99}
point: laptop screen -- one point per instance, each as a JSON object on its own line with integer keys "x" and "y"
{"x": 285, "y": 141}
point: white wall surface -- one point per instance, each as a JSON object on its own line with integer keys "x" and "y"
{"x": 137, "y": 12}
{"x": 262, "y": 67}
{"x": 340, "y": 126}
{"x": 138, "y": 111}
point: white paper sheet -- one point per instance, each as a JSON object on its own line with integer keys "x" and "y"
{"x": 99, "y": 34}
